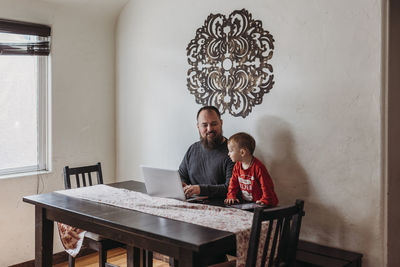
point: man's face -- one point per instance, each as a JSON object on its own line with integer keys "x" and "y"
{"x": 210, "y": 129}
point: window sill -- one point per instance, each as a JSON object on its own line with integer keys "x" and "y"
{"x": 22, "y": 174}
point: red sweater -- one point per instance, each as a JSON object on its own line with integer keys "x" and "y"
{"x": 255, "y": 183}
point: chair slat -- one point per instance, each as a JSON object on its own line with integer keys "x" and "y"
{"x": 276, "y": 234}
{"x": 78, "y": 184}
{"x": 83, "y": 179}
{"x": 283, "y": 241}
{"x": 267, "y": 241}
{"x": 90, "y": 179}
{"x": 255, "y": 237}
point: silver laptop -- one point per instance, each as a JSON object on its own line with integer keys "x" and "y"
{"x": 164, "y": 183}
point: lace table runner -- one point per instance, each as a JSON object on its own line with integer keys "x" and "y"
{"x": 225, "y": 219}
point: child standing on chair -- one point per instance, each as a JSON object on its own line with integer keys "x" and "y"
{"x": 249, "y": 175}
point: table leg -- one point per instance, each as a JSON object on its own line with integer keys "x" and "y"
{"x": 189, "y": 258}
{"x": 43, "y": 239}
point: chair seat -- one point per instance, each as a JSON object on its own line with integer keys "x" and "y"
{"x": 94, "y": 236}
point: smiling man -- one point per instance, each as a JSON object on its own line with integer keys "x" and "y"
{"x": 206, "y": 167}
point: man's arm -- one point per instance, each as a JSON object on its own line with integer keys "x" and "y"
{"x": 183, "y": 169}
{"x": 219, "y": 190}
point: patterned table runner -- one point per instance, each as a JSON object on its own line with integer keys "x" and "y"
{"x": 225, "y": 219}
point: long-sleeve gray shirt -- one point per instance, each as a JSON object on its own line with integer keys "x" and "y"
{"x": 211, "y": 169}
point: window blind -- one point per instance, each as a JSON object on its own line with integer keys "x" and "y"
{"x": 24, "y": 38}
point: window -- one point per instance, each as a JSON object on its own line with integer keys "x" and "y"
{"x": 24, "y": 85}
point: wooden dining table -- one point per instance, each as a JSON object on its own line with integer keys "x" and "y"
{"x": 189, "y": 244}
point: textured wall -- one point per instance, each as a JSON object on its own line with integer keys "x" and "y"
{"x": 318, "y": 130}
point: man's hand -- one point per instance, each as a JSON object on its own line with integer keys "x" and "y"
{"x": 230, "y": 201}
{"x": 191, "y": 190}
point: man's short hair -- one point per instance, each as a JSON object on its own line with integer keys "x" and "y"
{"x": 210, "y": 108}
{"x": 244, "y": 140}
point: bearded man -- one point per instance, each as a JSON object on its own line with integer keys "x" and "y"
{"x": 206, "y": 167}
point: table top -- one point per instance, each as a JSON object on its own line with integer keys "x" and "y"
{"x": 130, "y": 226}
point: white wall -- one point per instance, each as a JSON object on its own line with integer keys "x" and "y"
{"x": 318, "y": 130}
{"x": 83, "y": 97}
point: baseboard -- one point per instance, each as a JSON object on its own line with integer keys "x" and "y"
{"x": 57, "y": 258}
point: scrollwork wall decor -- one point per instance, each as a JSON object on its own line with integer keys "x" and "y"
{"x": 229, "y": 66}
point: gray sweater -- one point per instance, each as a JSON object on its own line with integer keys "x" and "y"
{"x": 211, "y": 169}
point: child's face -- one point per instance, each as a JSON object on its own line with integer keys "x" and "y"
{"x": 234, "y": 151}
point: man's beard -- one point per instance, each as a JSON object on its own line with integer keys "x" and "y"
{"x": 213, "y": 142}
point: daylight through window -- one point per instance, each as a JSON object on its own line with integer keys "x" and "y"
{"x": 24, "y": 75}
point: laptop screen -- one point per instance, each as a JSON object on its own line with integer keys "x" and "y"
{"x": 162, "y": 182}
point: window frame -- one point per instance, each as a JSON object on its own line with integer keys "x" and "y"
{"x": 43, "y": 103}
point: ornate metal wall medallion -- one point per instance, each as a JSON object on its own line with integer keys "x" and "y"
{"x": 229, "y": 63}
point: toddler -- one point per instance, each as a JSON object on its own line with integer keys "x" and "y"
{"x": 249, "y": 174}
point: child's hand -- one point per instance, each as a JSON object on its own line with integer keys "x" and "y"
{"x": 260, "y": 202}
{"x": 230, "y": 201}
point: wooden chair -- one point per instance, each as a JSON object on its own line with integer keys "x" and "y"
{"x": 282, "y": 236}
{"x": 83, "y": 175}
{"x": 79, "y": 177}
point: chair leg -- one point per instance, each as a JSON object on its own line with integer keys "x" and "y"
{"x": 138, "y": 257}
{"x": 71, "y": 261}
{"x": 147, "y": 258}
{"x": 173, "y": 262}
{"x": 102, "y": 257}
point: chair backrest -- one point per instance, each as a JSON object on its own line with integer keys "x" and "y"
{"x": 281, "y": 235}
{"x": 83, "y": 175}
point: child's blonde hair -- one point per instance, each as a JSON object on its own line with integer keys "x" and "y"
{"x": 244, "y": 140}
